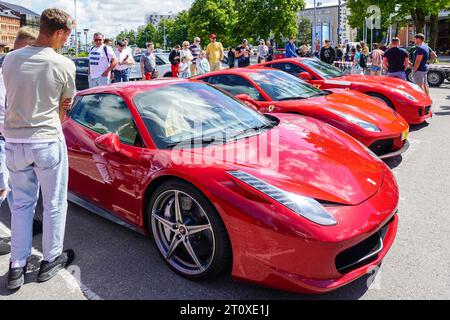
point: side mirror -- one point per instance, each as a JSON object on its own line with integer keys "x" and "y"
{"x": 108, "y": 142}
{"x": 249, "y": 101}
{"x": 305, "y": 76}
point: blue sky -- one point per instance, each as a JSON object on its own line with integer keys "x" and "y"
{"x": 111, "y": 16}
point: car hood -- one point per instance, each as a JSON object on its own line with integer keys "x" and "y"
{"x": 374, "y": 83}
{"x": 306, "y": 157}
{"x": 349, "y": 102}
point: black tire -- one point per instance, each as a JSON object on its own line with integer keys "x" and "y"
{"x": 168, "y": 75}
{"x": 435, "y": 78}
{"x": 222, "y": 254}
{"x": 381, "y": 98}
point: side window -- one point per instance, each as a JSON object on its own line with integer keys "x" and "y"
{"x": 105, "y": 113}
{"x": 137, "y": 58}
{"x": 236, "y": 85}
{"x": 159, "y": 61}
{"x": 82, "y": 65}
{"x": 290, "y": 68}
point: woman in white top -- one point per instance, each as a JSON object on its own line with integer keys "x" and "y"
{"x": 263, "y": 51}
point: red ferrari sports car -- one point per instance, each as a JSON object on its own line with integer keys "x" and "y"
{"x": 406, "y": 98}
{"x": 216, "y": 184}
{"x": 375, "y": 125}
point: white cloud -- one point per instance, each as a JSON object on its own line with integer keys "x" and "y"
{"x": 108, "y": 16}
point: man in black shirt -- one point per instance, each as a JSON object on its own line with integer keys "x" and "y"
{"x": 327, "y": 53}
{"x": 396, "y": 60}
{"x": 243, "y": 54}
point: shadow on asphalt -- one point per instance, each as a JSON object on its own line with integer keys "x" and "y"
{"x": 117, "y": 263}
{"x": 394, "y": 162}
{"x": 417, "y": 127}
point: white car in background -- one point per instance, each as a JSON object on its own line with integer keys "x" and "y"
{"x": 162, "y": 63}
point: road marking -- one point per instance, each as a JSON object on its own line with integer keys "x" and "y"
{"x": 71, "y": 275}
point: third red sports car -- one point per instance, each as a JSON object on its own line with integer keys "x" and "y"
{"x": 375, "y": 125}
{"x": 406, "y": 98}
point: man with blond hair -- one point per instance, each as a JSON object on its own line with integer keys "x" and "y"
{"x": 39, "y": 82}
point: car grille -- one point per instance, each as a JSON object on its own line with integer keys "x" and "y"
{"x": 363, "y": 253}
{"x": 381, "y": 147}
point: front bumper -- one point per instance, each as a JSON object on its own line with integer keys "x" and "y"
{"x": 415, "y": 114}
{"x": 397, "y": 152}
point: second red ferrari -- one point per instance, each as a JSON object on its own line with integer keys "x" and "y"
{"x": 375, "y": 125}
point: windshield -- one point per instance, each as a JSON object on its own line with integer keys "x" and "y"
{"x": 164, "y": 57}
{"x": 281, "y": 86}
{"x": 325, "y": 70}
{"x": 185, "y": 112}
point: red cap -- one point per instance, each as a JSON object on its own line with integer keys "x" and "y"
{"x": 213, "y": 36}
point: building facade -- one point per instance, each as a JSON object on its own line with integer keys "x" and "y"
{"x": 328, "y": 20}
{"x": 154, "y": 18}
{"x": 26, "y": 16}
{"x": 9, "y": 25}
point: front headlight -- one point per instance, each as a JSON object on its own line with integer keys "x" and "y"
{"x": 306, "y": 207}
{"x": 359, "y": 122}
{"x": 406, "y": 95}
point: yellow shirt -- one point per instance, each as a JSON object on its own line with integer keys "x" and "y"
{"x": 214, "y": 52}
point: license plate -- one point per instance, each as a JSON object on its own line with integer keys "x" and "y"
{"x": 405, "y": 135}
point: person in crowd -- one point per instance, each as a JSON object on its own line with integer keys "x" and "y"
{"x": 184, "y": 69}
{"x": 347, "y": 54}
{"x": 420, "y": 68}
{"x": 263, "y": 51}
{"x": 102, "y": 61}
{"x": 214, "y": 53}
{"x": 231, "y": 57}
{"x": 203, "y": 64}
{"x": 327, "y": 53}
{"x": 185, "y": 52}
{"x": 364, "y": 58}
{"x": 195, "y": 49}
{"x": 270, "y": 53}
{"x": 291, "y": 48}
{"x": 126, "y": 42}
{"x": 305, "y": 52}
{"x": 317, "y": 49}
{"x": 25, "y": 36}
{"x": 36, "y": 150}
{"x": 339, "y": 53}
{"x": 108, "y": 42}
{"x": 148, "y": 63}
{"x": 377, "y": 60}
{"x": 174, "y": 58}
{"x": 396, "y": 60}
{"x": 358, "y": 66}
{"x": 124, "y": 62}
{"x": 242, "y": 54}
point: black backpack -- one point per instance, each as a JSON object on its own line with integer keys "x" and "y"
{"x": 363, "y": 60}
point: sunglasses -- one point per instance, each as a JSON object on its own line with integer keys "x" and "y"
{"x": 97, "y": 40}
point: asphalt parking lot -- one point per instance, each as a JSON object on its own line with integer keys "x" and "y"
{"x": 115, "y": 263}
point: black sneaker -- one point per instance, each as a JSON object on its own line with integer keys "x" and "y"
{"x": 5, "y": 247}
{"x": 49, "y": 269}
{"x": 37, "y": 226}
{"x": 16, "y": 277}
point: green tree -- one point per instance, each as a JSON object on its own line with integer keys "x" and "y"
{"x": 267, "y": 18}
{"x": 304, "y": 34}
{"x": 399, "y": 11}
{"x": 212, "y": 16}
{"x": 130, "y": 35}
{"x": 145, "y": 34}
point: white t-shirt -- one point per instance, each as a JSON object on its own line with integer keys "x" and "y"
{"x": 36, "y": 79}
{"x": 121, "y": 57}
{"x": 98, "y": 60}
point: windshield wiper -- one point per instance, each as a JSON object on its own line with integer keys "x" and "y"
{"x": 256, "y": 129}
{"x": 196, "y": 141}
{"x": 292, "y": 98}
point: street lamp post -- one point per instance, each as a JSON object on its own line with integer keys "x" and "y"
{"x": 314, "y": 30}
{"x": 76, "y": 33}
{"x": 86, "y": 34}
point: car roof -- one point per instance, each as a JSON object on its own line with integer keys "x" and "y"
{"x": 132, "y": 88}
